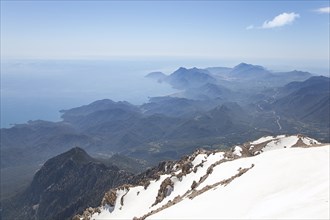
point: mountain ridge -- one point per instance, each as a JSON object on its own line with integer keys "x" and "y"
{"x": 190, "y": 178}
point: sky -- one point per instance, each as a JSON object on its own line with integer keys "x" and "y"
{"x": 62, "y": 54}
{"x": 255, "y": 30}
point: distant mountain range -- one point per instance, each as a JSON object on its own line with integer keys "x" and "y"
{"x": 307, "y": 101}
{"x": 216, "y": 108}
{"x": 242, "y": 75}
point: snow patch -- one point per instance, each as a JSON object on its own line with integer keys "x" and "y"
{"x": 278, "y": 143}
{"x": 237, "y": 151}
{"x": 266, "y": 138}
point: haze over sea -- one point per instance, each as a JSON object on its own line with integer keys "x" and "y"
{"x": 39, "y": 89}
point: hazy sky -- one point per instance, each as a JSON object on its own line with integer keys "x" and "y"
{"x": 217, "y": 29}
{"x": 146, "y": 36}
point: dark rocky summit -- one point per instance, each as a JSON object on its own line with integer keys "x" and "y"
{"x": 65, "y": 185}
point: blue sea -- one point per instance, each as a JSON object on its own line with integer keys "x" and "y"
{"x": 39, "y": 89}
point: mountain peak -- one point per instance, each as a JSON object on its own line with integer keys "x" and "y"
{"x": 158, "y": 76}
{"x": 58, "y": 189}
{"x": 194, "y": 69}
{"x": 189, "y": 78}
{"x": 248, "y": 66}
{"x": 250, "y": 71}
{"x": 243, "y": 64}
{"x": 103, "y": 101}
{"x": 75, "y": 155}
{"x": 78, "y": 152}
{"x": 181, "y": 69}
{"x": 318, "y": 78}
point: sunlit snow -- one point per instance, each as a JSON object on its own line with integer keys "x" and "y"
{"x": 282, "y": 182}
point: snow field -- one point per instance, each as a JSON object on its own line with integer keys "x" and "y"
{"x": 284, "y": 184}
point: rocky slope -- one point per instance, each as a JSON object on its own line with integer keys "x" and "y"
{"x": 272, "y": 177}
{"x": 65, "y": 185}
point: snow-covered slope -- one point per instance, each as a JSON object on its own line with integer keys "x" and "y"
{"x": 273, "y": 177}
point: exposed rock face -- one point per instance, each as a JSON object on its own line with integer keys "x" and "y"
{"x": 109, "y": 198}
{"x": 224, "y": 182}
{"x": 165, "y": 189}
{"x": 87, "y": 214}
{"x": 300, "y": 143}
{"x": 186, "y": 167}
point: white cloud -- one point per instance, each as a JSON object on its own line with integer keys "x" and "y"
{"x": 325, "y": 10}
{"x": 280, "y": 20}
